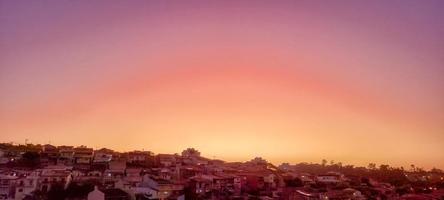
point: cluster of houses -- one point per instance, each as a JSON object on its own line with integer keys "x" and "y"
{"x": 143, "y": 175}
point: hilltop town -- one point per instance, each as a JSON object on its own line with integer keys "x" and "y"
{"x": 73, "y": 173}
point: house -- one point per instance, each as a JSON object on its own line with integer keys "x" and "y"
{"x": 103, "y": 155}
{"x": 66, "y": 155}
{"x": 347, "y": 193}
{"x": 7, "y": 185}
{"x": 304, "y": 194}
{"x": 213, "y": 169}
{"x": 330, "y": 178}
{"x": 201, "y": 185}
{"x": 131, "y": 182}
{"x": 101, "y": 159}
{"x": 133, "y": 176}
{"x": 25, "y": 185}
{"x": 139, "y": 157}
{"x": 251, "y": 181}
{"x": 156, "y": 188}
{"x": 270, "y": 180}
{"x": 286, "y": 167}
{"x": 49, "y": 155}
{"x": 117, "y": 165}
{"x": 83, "y": 156}
{"x": 165, "y": 173}
{"x": 115, "y": 172}
{"x": 227, "y": 183}
{"x": 80, "y": 176}
{"x": 3, "y": 159}
{"x": 220, "y": 184}
{"x": 96, "y": 194}
{"x": 185, "y": 172}
{"x": 49, "y": 177}
{"x": 108, "y": 194}
{"x": 306, "y": 178}
{"x": 166, "y": 160}
{"x": 264, "y": 180}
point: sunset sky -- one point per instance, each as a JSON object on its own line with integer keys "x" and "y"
{"x": 290, "y": 81}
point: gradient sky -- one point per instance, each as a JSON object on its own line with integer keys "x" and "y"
{"x": 350, "y": 81}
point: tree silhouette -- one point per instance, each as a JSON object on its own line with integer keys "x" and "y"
{"x": 30, "y": 159}
{"x": 371, "y": 166}
{"x": 324, "y": 162}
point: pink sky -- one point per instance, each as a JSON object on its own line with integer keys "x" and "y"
{"x": 356, "y": 82}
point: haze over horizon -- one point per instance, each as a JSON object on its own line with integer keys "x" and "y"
{"x": 355, "y": 82}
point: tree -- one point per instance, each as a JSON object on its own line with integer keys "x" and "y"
{"x": 190, "y": 152}
{"x": 384, "y": 167}
{"x": 420, "y": 169}
{"x": 57, "y": 192}
{"x": 339, "y": 164}
{"x": 76, "y": 190}
{"x": 258, "y": 161}
{"x": 436, "y": 171}
{"x": 324, "y": 162}
{"x": 37, "y": 195}
{"x": 296, "y": 182}
{"x": 30, "y": 159}
{"x": 371, "y": 166}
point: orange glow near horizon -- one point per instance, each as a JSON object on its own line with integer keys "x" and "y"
{"x": 233, "y": 80}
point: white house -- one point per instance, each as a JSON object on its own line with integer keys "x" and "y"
{"x": 155, "y": 188}
{"x": 7, "y": 183}
{"x": 96, "y": 194}
{"x": 330, "y": 177}
{"x": 26, "y": 184}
